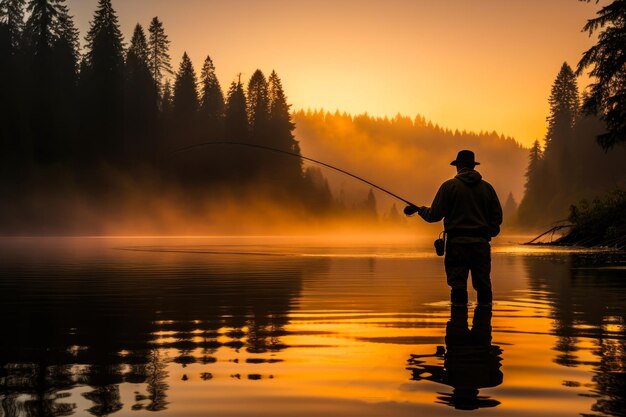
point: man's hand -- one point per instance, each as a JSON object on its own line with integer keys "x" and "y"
{"x": 411, "y": 210}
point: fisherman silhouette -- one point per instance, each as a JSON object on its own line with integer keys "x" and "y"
{"x": 470, "y": 361}
{"x": 472, "y": 215}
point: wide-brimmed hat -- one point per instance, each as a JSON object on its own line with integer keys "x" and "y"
{"x": 464, "y": 157}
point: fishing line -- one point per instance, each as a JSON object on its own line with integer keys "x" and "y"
{"x": 412, "y": 207}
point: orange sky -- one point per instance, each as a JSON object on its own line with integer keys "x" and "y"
{"x": 467, "y": 64}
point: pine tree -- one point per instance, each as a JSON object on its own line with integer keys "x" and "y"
{"x": 236, "y": 115}
{"x": 65, "y": 62}
{"x": 530, "y": 208}
{"x": 212, "y": 102}
{"x": 281, "y": 129}
{"x": 43, "y": 15}
{"x": 51, "y": 41}
{"x": 534, "y": 160}
{"x": 607, "y": 96}
{"x": 12, "y": 80}
{"x": 369, "y": 205}
{"x": 564, "y": 107}
{"x": 105, "y": 46}
{"x": 509, "y": 208}
{"x": 185, "y": 99}
{"x": 558, "y": 158}
{"x": 238, "y": 163}
{"x": 167, "y": 104}
{"x": 103, "y": 82}
{"x": 138, "y": 50}
{"x": 12, "y": 18}
{"x": 158, "y": 54}
{"x": 258, "y": 107}
{"x": 140, "y": 100}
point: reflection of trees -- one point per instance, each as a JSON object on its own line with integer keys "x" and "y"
{"x": 100, "y": 328}
{"x": 587, "y": 302}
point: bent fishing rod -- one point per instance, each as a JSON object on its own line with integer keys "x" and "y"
{"x": 409, "y": 210}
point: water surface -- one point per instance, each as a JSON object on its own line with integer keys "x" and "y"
{"x": 274, "y": 326}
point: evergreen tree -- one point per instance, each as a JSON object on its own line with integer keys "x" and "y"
{"x": 140, "y": 100}
{"x": 558, "y": 157}
{"x": 510, "y": 208}
{"x": 185, "y": 101}
{"x": 236, "y": 115}
{"x": 50, "y": 40}
{"x": 12, "y": 19}
{"x": 11, "y": 82}
{"x": 243, "y": 161}
{"x": 65, "y": 59}
{"x": 159, "y": 58}
{"x": 212, "y": 102}
{"x": 394, "y": 217}
{"x": 534, "y": 159}
{"x": 564, "y": 106}
{"x": 138, "y": 49}
{"x": 43, "y": 15}
{"x": 104, "y": 59}
{"x": 607, "y": 96}
{"x": 369, "y": 205}
{"x": 281, "y": 129}
{"x": 167, "y": 105}
{"x": 258, "y": 107}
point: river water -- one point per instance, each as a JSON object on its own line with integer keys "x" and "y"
{"x": 303, "y": 326}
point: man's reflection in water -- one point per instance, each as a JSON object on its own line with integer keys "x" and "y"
{"x": 470, "y": 361}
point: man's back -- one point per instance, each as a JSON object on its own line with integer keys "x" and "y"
{"x": 472, "y": 215}
{"x": 468, "y": 205}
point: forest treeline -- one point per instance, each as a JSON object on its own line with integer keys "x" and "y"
{"x": 409, "y": 155}
{"x": 569, "y": 171}
{"x": 83, "y": 131}
{"x": 569, "y": 166}
{"x": 92, "y": 133}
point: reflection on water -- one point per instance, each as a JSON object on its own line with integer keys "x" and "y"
{"x": 231, "y": 326}
{"x": 470, "y": 361}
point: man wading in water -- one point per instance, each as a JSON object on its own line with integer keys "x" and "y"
{"x": 472, "y": 215}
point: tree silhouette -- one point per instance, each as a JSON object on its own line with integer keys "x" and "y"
{"x": 51, "y": 44}
{"x": 564, "y": 106}
{"x": 368, "y": 207}
{"x": 281, "y": 129}
{"x": 140, "y": 100}
{"x": 509, "y": 208}
{"x": 211, "y": 102}
{"x": 236, "y": 117}
{"x": 64, "y": 72}
{"x": 41, "y": 24}
{"x": 258, "y": 107}
{"x": 237, "y": 164}
{"x": 185, "y": 101}
{"x": 11, "y": 86}
{"x": 12, "y": 19}
{"x": 159, "y": 57}
{"x": 103, "y": 84}
{"x": 607, "y": 63}
{"x": 167, "y": 101}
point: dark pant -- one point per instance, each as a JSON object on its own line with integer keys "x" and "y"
{"x": 461, "y": 258}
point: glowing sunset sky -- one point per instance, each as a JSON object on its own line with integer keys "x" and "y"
{"x": 475, "y": 65}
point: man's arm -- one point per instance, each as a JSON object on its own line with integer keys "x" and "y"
{"x": 495, "y": 214}
{"x": 436, "y": 211}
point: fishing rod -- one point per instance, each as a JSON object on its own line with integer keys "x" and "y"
{"x": 409, "y": 210}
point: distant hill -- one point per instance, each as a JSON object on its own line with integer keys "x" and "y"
{"x": 410, "y": 156}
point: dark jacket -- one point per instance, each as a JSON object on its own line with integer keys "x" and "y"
{"x": 469, "y": 206}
